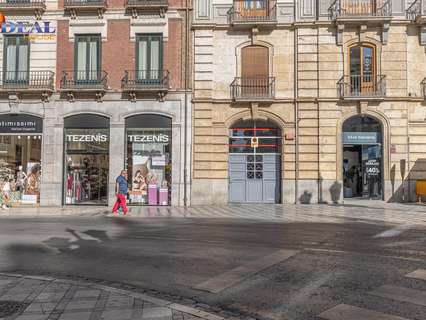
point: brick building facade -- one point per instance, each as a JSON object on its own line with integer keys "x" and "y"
{"x": 116, "y": 95}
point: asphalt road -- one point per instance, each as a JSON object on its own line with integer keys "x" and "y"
{"x": 257, "y": 269}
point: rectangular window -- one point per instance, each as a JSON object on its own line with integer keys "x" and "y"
{"x": 88, "y": 58}
{"x": 149, "y": 57}
{"x": 16, "y": 59}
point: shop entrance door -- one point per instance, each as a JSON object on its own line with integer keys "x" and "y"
{"x": 362, "y": 158}
{"x": 255, "y": 163}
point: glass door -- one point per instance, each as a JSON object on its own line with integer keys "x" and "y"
{"x": 362, "y": 69}
{"x": 149, "y": 62}
{"x": 372, "y": 171}
{"x": 88, "y": 60}
{"x": 16, "y": 61}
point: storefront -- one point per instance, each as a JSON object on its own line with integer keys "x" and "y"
{"x": 86, "y": 159}
{"x": 362, "y": 158}
{"x": 148, "y": 159}
{"x": 255, "y": 162}
{"x": 20, "y": 158}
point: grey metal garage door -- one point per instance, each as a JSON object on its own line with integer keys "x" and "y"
{"x": 254, "y": 178}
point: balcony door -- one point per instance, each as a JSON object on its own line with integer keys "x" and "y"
{"x": 16, "y": 59}
{"x": 254, "y": 8}
{"x": 88, "y": 58}
{"x": 362, "y": 60}
{"x": 149, "y": 62}
{"x": 254, "y": 71}
{"x": 358, "y": 7}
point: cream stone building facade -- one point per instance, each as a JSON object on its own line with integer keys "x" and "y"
{"x": 341, "y": 97}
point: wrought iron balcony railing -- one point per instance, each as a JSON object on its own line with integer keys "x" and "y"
{"x": 149, "y": 4}
{"x": 362, "y": 87}
{"x": 360, "y": 8}
{"x": 84, "y": 80}
{"x": 22, "y": 4}
{"x": 416, "y": 10}
{"x": 145, "y": 80}
{"x": 253, "y": 88}
{"x": 253, "y": 12}
{"x": 85, "y": 4}
{"x": 27, "y": 81}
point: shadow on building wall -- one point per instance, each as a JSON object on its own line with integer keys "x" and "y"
{"x": 335, "y": 191}
{"x": 404, "y": 189}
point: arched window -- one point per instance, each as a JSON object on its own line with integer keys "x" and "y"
{"x": 363, "y": 68}
{"x": 254, "y": 62}
{"x": 254, "y": 71}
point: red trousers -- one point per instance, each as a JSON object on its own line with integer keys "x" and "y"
{"x": 120, "y": 202}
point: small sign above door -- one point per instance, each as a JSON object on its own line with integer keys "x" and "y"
{"x": 360, "y": 138}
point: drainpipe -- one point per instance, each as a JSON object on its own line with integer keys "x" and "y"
{"x": 186, "y": 85}
{"x": 296, "y": 113}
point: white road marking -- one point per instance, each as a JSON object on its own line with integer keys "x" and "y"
{"x": 234, "y": 276}
{"x": 393, "y": 232}
{"x": 401, "y": 294}
{"x": 417, "y": 274}
{"x": 347, "y": 312}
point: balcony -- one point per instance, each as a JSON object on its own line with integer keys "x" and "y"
{"x": 253, "y": 13}
{"x": 146, "y": 81}
{"x": 22, "y": 6}
{"x": 416, "y": 12}
{"x": 76, "y": 6}
{"x": 27, "y": 82}
{"x": 136, "y": 6}
{"x": 253, "y": 89}
{"x": 359, "y": 10}
{"x": 365, "y": 87}
{"x": 84, "y": 81}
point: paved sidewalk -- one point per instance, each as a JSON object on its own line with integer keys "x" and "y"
{"x": 356, "y": 210}
{"x": 41, "y": 298}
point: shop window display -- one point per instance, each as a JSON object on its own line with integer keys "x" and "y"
{"x": 86, "y": 165}
{"x": 20, "y": 158}
{"x": 20, "y": 166}
{"x": 149, "y": 160}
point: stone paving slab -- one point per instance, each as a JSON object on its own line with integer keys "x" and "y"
{"x": 57, "y": 299}
{"x": 360, "y": 210}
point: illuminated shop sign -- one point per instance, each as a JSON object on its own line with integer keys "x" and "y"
{"x": 87, "y": 137}
{"x": 20, "y": 124}
{"x": 150, "y": 138}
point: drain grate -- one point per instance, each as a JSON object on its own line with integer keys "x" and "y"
{"x": 9, "y": 308}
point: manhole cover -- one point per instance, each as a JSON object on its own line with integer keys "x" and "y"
{"x": 9, "y": 308}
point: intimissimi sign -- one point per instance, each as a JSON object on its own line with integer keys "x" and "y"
{"x": 20, "y": 124}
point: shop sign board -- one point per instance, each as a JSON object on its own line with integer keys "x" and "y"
{"x": 372, "y": 167}
{"x": 149, "y": 138}
{"x": 20, "y": 124}
{"x": 87, "y": 137}
{"x": 360, "y": 138}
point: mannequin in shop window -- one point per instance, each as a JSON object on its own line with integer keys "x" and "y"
{"x": 21, "y": 178}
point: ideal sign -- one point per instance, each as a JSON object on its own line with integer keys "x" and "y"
{"x": 38, "y": 30}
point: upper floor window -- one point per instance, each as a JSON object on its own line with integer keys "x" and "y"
{"x": 16, "y": 58}
{"x": 254, "y": 62}
{"x": 149, "y": 56}
{"x": 362, "y": 67}
{"x": 87, "y": 57}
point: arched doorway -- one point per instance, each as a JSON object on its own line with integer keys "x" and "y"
{"x": 254, "y": 162}
{"x": 362, "y": 138}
